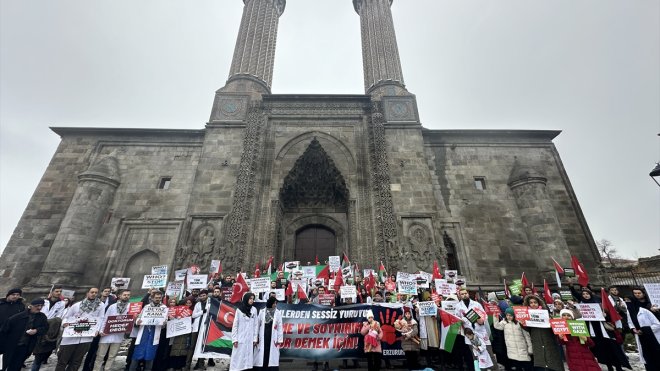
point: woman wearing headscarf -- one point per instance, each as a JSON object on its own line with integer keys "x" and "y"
{"x": 244, "y": 334}
{"x": 181, "y": 346}
{"x": 646, "y": 328}
{"x": 545, "y": 347}
{"x": 578, "y": 355}
{"x": 410, "y": 341}
{"x": 271, "y": 337}
{"x": 607, "y": 351}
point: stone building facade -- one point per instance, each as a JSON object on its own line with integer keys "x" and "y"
{"x": 299, "y": 176}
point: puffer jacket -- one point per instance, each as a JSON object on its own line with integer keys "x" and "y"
{"x": 518, "y": 341}
{"x": 578, "y": 356}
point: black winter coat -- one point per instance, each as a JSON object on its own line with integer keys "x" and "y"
{"x": 10, "y": 308}
{"x": 15, "y": 327}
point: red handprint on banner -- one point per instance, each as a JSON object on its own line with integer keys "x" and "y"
{"x": 387, "y": 325}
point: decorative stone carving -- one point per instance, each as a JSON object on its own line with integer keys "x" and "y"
{"x": 203, "y": 244}
{"x": 314, "y": 181}
{"x": 400, "y": 109}
{"x": 229, "y": 107}
{"x": 420, "y": 244}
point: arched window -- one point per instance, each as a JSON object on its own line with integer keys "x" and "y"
{"x": 313, "y": 241}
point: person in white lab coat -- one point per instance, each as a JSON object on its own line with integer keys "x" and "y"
{"x": 109, "y": 343}
{"x": 244, "y": 334}
{"x": 271, "y": 337}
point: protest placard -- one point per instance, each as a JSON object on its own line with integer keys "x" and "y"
{"x": 180, "y": 275}
{"x": 119, "y": 283}
{"x": 302, "y": 283}
{"x": 279, "y": 294}
{"x": 291, "y": 266}
{"x": 259, "y": 285}
{"x": 460, "y": 281}
{"x": 194, "y": 269}
{"x": 566, "y": 295}
{"x": 80, "y": 327}
{"x": 515, "y": 287}
{"x": 653, "y": 292}
{"x": 406, "y": 287}
{"x": 334, "y": 262}
{"x": 348, "y": 292}
{"x": 180, "y": 326}
{"x": 472, "y": 316}
{"x": 405, "y": 276}
{"x": 569, "y": 272}
{"x": 450, "y": 275}
{"x": 423, "y": 280}
{"x": 559, "y": 326}
{"x": 481, "y": 313}
{"x": 326, "y": 299}
{"x": 369, "y": 271}
{"x": 538, "y": 318}
{"x": 297, "y": 274}
{"x": 154, "y": 281}
{"x": 590, "y": 311}
{"x": 214, "y": 267}
{"x": 68, "y": 293}
{"x": 309, "y": 271}
{"x": 521, "y": 314}
{"x": 492, "y": 309}
{"x": 174, "y": 289}
{"x": 501, "y": 295}
{"x": 159, "y": 269}
{"x": 196, "y": 281}
{"x": 153, "y": 316}
{"x": 578, "y": 328}
{"x": 134, "y": 308}
{"x": 179, "y": 311}
{"x": 449, "y": 306}
{"x": 118, "y": 324}
{"x": 427, "y": 308}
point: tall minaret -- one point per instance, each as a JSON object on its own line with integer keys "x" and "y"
{"x": 251, "y": 69}
{"x": 380, "y": 54}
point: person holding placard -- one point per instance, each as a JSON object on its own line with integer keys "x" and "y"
{"x": 73, "y": 349}
{"x": 200, "y": 308}
{"x": 109, "y": 343}
{"x": 646, "y": 328}
{"x": 603, "y": 333}
{"x": 464, "y": 306}
{"x": 518, "y": 342}
{"x": 545, "y": 348}
{"x": 180, "y": 346}
{"x": 244, "y": 334}
{"x": 148, "y": 336}
{"x": 271, "y": 337}
{"x": 409, "y": 330}
{"x": 640, "y": 297}
{"x": 372, "y": 338}
{"x": 578, "y": 355}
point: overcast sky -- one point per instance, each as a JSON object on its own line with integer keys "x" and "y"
{"x": 588, "y": 68}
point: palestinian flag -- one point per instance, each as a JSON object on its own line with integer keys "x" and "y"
{"x": 218, "y": 334}
{"x": 382, "y": 273}
{"x": 559, "y": 270}
{"x": 451, "y": 327}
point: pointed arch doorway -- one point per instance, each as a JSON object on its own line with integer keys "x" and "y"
{"x": 314, "y": 241}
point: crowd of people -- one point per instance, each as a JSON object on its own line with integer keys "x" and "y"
{"x": 37, "y": 328}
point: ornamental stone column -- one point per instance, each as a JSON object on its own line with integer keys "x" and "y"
{"x": 544, "y": 233}
{"x": 67, "y": 261}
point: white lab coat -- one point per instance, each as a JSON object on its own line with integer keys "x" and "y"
{"x": 645, "y": 318}
{"x": 245, "y": 332}
{"x": 198, "y": 312}
{"x": 461, "y": 309}
{"x": 57, "y": 310}
{"x": 276, "y": 337}
{"x": 111, "y": 338}
{"x": 157, "y": 329}
{"x": 74, "y": 313}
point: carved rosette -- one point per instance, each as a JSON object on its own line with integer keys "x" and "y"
{"x": 387, "y": 230}
{"x": 420, "y": 246}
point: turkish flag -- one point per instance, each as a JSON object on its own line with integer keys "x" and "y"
{"x": 546, "y": 293}
{"x": 226, "y": 315}
{"x": 523, "y": 281}
{"x": 239, "y": 289}
{"x": 289, "y": 290}
{"x": 580, "y": 272}
{"x": 436, "y": 270}
{"x": 339, "y": 279}
{"x": 608, "y": 307}
{"x": 301, "y": 293}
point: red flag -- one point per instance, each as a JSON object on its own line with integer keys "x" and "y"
{"x": 239, "y": 289}
{"x": 316, "y": 261}
{"x": 289, "y": 290}
{"x": 580, "y": 272}
{"x": 280, "y": 267}
{"x": 608, "y": 307}
{"x": 436, "y": 270}
{"x": 219, "y": 267}
{"x": 339, "y": 279}
{"x": 269, "y": 266}
{"x": 534, "y": 290}
{"x": 257, "y": 272}
{"x": 301, "y": 293}
{"x": 523, "y": 281}
{"x": 324, "y": 274}
{"x": 558, "y": 270}
{"x": 546, "y": 292}
{"x": 369, "y": 282}
{"x": 226, "y": 315}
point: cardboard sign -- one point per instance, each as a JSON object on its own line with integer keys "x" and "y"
{"x": 427, "y": 308}
{"x": 450, "y": 275}
{"x": 153, "y": 316}
{"x": 179, "y": 311}
{"x": 297, "y": 274}
{"x": 460, "y": 281}
{"x": 521, "y": 314}
{"x": 423, "y": 280}
{"x": 259, "y": 285}
{"x": 214, "y": 267}
{"x": 119, "y": 283}
{"x": 69, "y": 293}
{"x": 449, "y": 306}
{"x": 196, "y": 281}
{"x": 569, "y": 272}
{"x": 174, "y": 289}
{"x": 177, "y": 327}
{"x": 279, "y": 294}
{"x": 154, "y": 281}
{"x": 406, "y": 287}
{"x": 653, "y": 292}
{"x": 291, "y": 266}
{"x": 334, "y": 262}
{"x": 180, "y": 275}
{"x": 559, "y": 326}
{"x": 309, "y": 271}
{"x": 515, "y": 287}
{"x": 226, "y": 293}
{"x": 590, "y": 312}
{"x": 472, "y": 316}
{"x": 348, "y": 292}
{"x": 326, "y": 299}
{"x": 566, "y": 295}
{"x": 81, "y": 327}
{"x": 159, "y": 269}
{"x": 501, "y": 295}
{"x": 578, "y": 328}
{"x": 492, "y": 309}
{"x": 118, "y": 324}
{"x": 134, "y": 308}
{"x": 538, "y": 318}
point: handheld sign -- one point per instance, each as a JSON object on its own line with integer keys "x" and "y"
{"x": 348, "y": 292}
{"x": 406, "y": 287}
{"x": 180, "y": 275}
{"x": 521, "y": 314}
{"x": 590, "y": 312}
{"x": 154, "y": 280}
{"x": 449, "y": 306}
{"x": 279, "y": 294}
{"x": 174, "y": 289}
{"x": 653, "y": 291}
{"x": 566, "y": 295}
{"x": 180, "y": 326}
{"x": 153, "y": 316}
{"x": 472, "y": 316}
{"x": 159, "y": 269}
{"x": 81, "y": 327}
{"x": 538, "y": 318}
{"x": 427, "y": 308}
{"x": 559, "y": 326}
{"x": 578, "y": 328}
{"x": 259, "y": 285}
{"x": 134, "y": 308}
{"x": 334, "y": 262}
{"x": 326, "y": 299}
{"x": 120, "y": 283}
{"x": 197, "y": 281}
{"x": 118, "y": 324}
